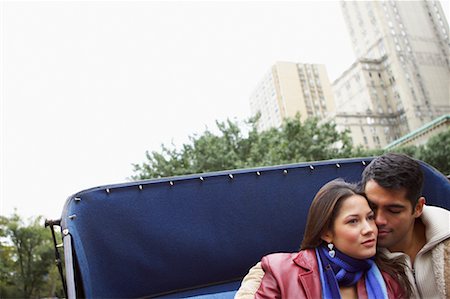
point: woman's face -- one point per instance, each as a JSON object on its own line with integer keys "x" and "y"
{"x": 354, "y": 231}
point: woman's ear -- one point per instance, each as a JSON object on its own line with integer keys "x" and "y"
{"x": 327, "y": 237}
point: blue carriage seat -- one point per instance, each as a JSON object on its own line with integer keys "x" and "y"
{"x": 196, "y": 235}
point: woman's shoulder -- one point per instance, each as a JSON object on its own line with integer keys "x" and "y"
{"x": 393, "y": 286}
{"x": 280, "y": 256}
{"x": 388, "y": 278}
{"x": 301, "y": 258}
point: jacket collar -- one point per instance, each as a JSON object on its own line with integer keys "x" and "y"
{"x": 436, "y": 224}
{"x": 310, "y": 279}
{"x": 306, "y": 259}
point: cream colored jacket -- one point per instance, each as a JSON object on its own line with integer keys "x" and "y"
{"x": 431, "y": 267}
{"x": 430, "y": 273}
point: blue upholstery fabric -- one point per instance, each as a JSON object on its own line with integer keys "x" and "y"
{"x": 221, "y": 291}
{"x": 158, "y": 236}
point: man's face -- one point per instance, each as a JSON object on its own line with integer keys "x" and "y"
{"x": 394, "y": 216}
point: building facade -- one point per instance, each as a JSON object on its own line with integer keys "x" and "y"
{"x": 364, "y": 95}
{"x": 421, "y": 135}
{"x": 401, "y": 79}
{"x": 289, "y": 88}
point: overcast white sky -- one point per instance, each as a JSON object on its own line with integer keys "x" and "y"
{"x": 88, "y": 87}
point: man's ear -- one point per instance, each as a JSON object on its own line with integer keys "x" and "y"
{"x": 327, "y": 237}
{"x": 418, "y": 209}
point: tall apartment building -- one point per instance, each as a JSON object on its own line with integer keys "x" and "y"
{"x": 401, "y": 79}
{"x": 289, "y": 88}
{"x": 363, "y": 95}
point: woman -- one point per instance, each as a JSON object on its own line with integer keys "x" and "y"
{"x": 337, "y": 256}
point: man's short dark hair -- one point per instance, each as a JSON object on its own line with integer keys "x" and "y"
{"x": 396, "y": 171}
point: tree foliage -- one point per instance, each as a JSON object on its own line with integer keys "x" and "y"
{"x": 436, "y": 152}
{"x": 234, "y": 147}
{"x": 26, "y": 259}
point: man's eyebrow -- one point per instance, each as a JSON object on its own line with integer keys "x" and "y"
{"x": 394, "y": 205}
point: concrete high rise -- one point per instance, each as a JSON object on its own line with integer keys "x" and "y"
{"x": 401, "y": 79}
{"x": 289, "y": 88}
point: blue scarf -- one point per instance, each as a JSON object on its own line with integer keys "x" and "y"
{"x": 342, "y": 270}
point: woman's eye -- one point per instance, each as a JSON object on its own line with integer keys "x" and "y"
{"x": 371, "y": 217}
{"x": 353, "y": 221}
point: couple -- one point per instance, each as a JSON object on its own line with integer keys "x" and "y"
{"x": 339, "y": 256}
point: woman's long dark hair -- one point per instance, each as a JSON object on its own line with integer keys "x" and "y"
{"x": 322, "y": 213}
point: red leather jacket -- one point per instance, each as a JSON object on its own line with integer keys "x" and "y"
{"x": 296, "y": 275}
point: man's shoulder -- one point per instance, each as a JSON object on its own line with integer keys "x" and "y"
{"x": 250, "y": 283}
{"x": 435, "y": 210}
{"x": 436, "y": 221}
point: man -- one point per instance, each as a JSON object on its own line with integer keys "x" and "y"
{"x": 407, "y": 228}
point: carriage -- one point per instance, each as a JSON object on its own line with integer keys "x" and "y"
{"x": 196, "y": 235}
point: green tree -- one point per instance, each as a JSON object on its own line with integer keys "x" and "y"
{"x": 27, "y": 259}
{"x": 360, "y": 151}
{"x": 295, "y": 141}
{"x": 235, "y": 147}
{"x": 436, "y": 152}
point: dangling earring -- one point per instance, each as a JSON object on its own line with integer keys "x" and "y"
{"x": 332, "y": 253}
